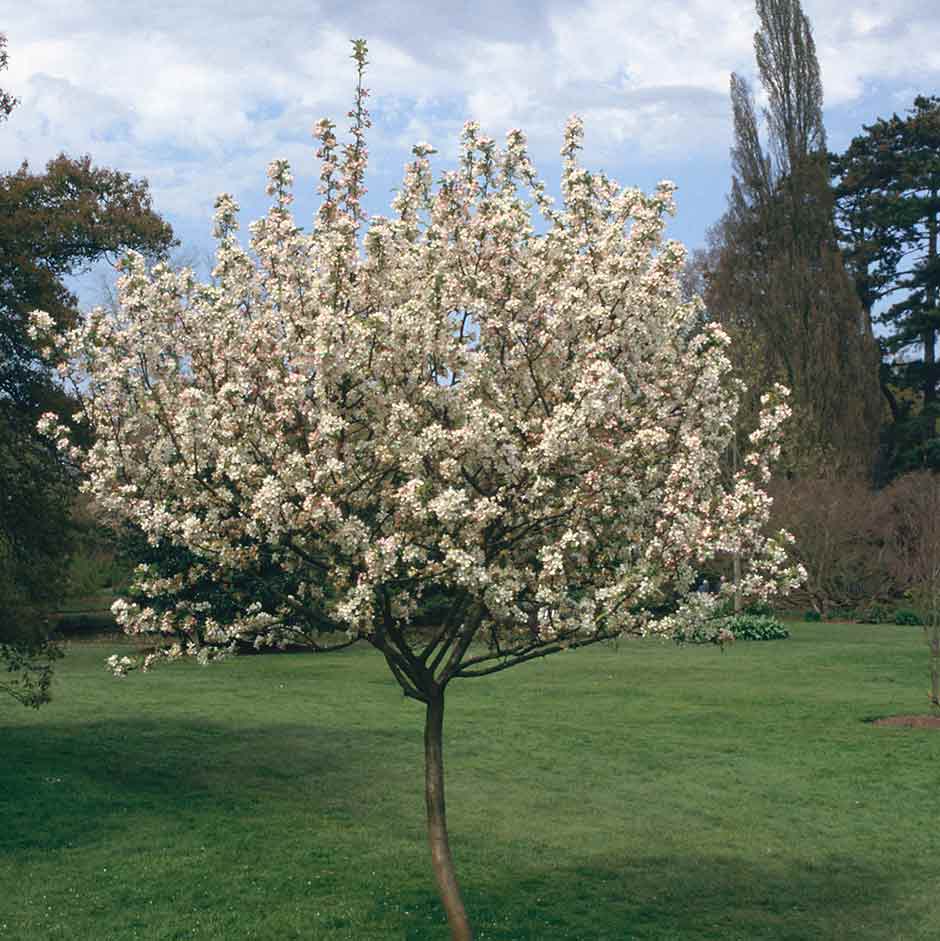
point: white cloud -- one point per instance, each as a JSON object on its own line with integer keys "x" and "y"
{"x": 199, "y": 96}
{"x": 876, "y": 42}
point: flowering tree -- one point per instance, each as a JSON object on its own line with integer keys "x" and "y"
{"x": 343, "y": 422}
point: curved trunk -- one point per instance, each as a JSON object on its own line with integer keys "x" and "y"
{"x": 437, "y": 821}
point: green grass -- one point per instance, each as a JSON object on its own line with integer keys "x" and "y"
{"x": 648, "y": 792}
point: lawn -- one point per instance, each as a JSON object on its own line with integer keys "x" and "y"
{"x": 643, "y": 792}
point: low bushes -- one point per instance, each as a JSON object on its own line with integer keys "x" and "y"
{"x": 863, "y": 548}
{"x": 905, "y": 616}
{"x": 755, "y": 627}
{"x": 744, "y": 626}
{"x": 89, "y": 623}
{"x": 877, "y": 614}
{"x": 871, "y": 614}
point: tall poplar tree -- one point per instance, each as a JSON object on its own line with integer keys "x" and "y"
{"x": 776, "y": 277}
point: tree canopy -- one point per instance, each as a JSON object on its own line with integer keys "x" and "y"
{"x": 56, "y": 224}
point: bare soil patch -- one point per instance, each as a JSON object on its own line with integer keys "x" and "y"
{"x": 909, "y": 722}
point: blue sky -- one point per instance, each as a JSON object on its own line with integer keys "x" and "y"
{"x": 199, "y": 96}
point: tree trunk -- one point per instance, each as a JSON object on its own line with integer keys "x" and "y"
{"x": 930, "y": 369}
{"x": 437, "y": 821}
{"x": 934, "y": 641}
{"x": 930, "y": 335}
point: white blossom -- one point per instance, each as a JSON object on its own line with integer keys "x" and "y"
{"x": 532, "y": 424}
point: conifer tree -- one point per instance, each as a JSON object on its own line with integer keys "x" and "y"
{"x": 889, "y": 222}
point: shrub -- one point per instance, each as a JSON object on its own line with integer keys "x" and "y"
{"x": 906, "y": 616}
{"x": 704, "y": 633}
{"x": 95, "y": 622}
{"x": 876, "y": 614}
{"x": 755, "y": 627}
{"x": 842, "y": 614}
{"x": 93, "y": 570}
{"x": 812, "y": 616}
{"x": 841, "y": 526}
{"x": 741, "y": 626}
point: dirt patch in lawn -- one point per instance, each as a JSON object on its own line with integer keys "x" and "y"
{"x": 909, "y": 722}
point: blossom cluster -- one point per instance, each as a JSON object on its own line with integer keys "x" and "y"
{"x": 441, "y": 400}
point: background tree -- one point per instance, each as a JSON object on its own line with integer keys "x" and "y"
{"x": 532, "y": 426}
{"x": 30, "y": 486}
{"x": 774, "y": 273}
{"x": 889, "y": 221}
{"x": 843, "y": 539}
{"x": 34, "y": 499}
{"x": 56, "y": 224}
{"x": 52, "y": 225}
{"x": 913, "y": 505}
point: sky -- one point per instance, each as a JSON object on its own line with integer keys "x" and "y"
{"x": 198, "y": 97}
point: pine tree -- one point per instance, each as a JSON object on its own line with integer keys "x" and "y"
{"x": 889, "y": 222}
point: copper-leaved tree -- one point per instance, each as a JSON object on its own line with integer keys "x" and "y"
{"x": 348, "y": 422}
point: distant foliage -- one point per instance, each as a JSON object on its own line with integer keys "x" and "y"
{"x": 876, "y": 614}
{"x": 94, "y": 623}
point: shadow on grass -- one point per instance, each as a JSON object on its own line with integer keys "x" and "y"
{"x": 70, "y": 786}
{"x": 73, "y": 786}
{"x": 671, "y": 898}
{"x": 62, "y": 785}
